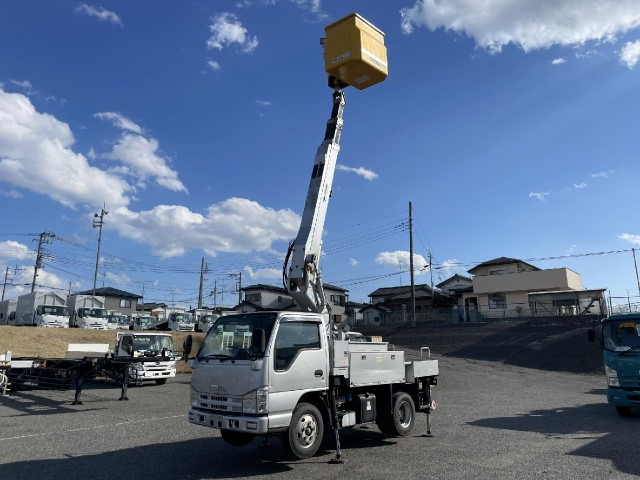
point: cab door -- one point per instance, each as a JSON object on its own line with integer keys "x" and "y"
{"x": 298, "y": 364}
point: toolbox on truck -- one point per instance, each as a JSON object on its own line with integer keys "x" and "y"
{"x": 354, "y": 52}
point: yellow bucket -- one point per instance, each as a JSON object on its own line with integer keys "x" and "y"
{"x": 354, "y": 52}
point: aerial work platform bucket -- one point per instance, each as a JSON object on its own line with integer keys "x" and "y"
{"x": 354, "y": 52}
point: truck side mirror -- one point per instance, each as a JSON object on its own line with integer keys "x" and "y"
{"x": 258, "y": 340}
{"x": 187, "y": 345}
{"x": 591, "y": 335}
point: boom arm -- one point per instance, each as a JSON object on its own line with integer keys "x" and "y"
{"x": 301, "y": 277}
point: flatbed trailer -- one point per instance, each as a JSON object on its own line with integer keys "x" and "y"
{"x": 68, "y": 373}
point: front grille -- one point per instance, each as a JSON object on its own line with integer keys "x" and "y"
{"x": 220, "y": 403}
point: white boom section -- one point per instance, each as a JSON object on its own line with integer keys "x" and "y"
{"x": 302, "y": 279}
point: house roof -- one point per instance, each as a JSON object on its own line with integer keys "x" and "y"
{"x": 109, "y": 292}
{"x": 262, "y": 286}
{"x": 378, "y": 307}
{"x": 395, "y": 291}
{"x": 452, "y": 278}
{"x": 501, "y": 261}
{"x": 333, "y": 287}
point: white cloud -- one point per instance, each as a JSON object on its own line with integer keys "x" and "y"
{"x": 11, "y": 250}
{"x": 141, "y": 154}
{"x": 580, "y": 185}
{"x": 118, "y": 279}
{"x": 529, "y": 24}
{"x": 11, "y": 193}
{"x": 263, "y": 273}
{"x": 36, "y": 154}
{"x": 213, "y": 64}
{"x": 226, "y": 30}
{"x": 601, "y": 174}
{"x": 570, "y": 250}
{"x": 632, "y": 239}
{"x": 24, "y": 85}
{"x": 400, "y": 258}
{"x": 542, "y": 196}
{"x": 630, "y": 53}
{"x": 363, "y": 172}
{"x": 119, "y": 121}
{"x": 100, "y": 13}
{"x": 353, "y": 262}
{"x": 313, "y": 6}
{"x": 234, "y": 225}
{"x": 558, "y": 61}
{"x": 263, "y": 103}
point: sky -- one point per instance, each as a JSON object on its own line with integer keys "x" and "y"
{"x": 510, "y": 126}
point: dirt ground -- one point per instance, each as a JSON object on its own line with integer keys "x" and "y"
{"x": 545, "y": 347}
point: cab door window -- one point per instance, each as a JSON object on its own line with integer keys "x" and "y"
{"x": 291, "y": 339}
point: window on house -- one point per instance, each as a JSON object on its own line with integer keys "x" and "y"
{"x": 252, "y": 297}
{"x": 125, "y": 303}
{"x": 497, "y": 272}
{"x": 497, "y": 300}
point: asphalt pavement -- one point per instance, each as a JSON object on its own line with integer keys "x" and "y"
{"x": 493, "y": 421}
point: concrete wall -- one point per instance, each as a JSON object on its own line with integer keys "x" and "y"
{"x": 530, "y": 281}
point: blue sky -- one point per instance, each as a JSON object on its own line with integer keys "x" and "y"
{"x": 510, "y": 126}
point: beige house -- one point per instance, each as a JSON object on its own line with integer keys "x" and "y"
{"x": 509, "y": 287}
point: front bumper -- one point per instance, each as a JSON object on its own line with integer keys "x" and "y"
{"x": 624, "y": 397}
{"x": 238, "y": 423}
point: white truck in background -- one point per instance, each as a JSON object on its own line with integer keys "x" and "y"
{"x": 205, "y": 318}
{"x": 7, "y": 312}
{"x": 181, "y": 322}
{"x": 117, "y": 321}
{"x": 41, "y": 309}
{"x": 146, "y": 345}
{"x": 87, "y": 311}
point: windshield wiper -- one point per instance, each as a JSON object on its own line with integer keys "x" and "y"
{"x": 634, "y": 349}
{"x": 215, "y": 355}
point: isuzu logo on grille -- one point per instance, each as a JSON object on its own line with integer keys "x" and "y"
{"x": 217, "y": 388}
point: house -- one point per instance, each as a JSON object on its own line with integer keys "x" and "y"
{"x": 455, "y": 286}
{"x": 394, "y": 305}
{"x": 353, "y": 312}
{"x": 260, "y": 297}
{"x": 509, "y": 287}
{"x": 115, "y": 299}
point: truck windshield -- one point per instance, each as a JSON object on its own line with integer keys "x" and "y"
{"x": 184, "y": 318}
{"x": 622, "y": 335}
{"x": 230, "y": 337}
{"x": 95, "y": 312}
{"x": 55, "y": 310}
{"x": 153, "y": 343}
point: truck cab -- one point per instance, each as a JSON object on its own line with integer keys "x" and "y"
{"x": 157, "y": 348}
{"x": 144, "y": 322}
{"x": 206, "y": 321}
{"x": 92, "y": 317}
{"x": 117, "y": 321}
{"x": 56, "y": 316}
{"x": 620, "y": 336}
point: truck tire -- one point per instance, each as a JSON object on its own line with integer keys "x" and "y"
{"x": 306, "y": 431}
{"x": 403, "y": 416}
{"x": 236, "y": 439}
{"x": 161, "y": 381}
{"x": 623, "y": 411}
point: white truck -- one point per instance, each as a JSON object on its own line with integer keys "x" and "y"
{"x": 142, "y": 346}
{"x": 87, "y": 311}
{"x": 8, "y": 311}
{"x": 295, "y": 374}
{"x": 117, "y": 321}
{"x": 205, "y": 319}
{"x": 42, "y": 309}
{"x": 144, "y": 322}
{"x": 181, "y": 322}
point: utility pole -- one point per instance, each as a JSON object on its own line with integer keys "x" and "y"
{"x": 4, "y": 285}
{"x": 635, "y": 264}
{"x": 203, "y": 266}
{"x": 42, "y": 240}
{"x": 431, "y": 272}
{"x": 238, "y": 284}
{"x": 98, "y": 221}
{"x": 215, "y": 294}
{"x": 413, "y": 286}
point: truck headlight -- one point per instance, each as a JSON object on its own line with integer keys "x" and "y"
{"x": 172, "y": 364}
{"x": 194, "y": 396}
{"x": 612, "y": 377}
{"x": 256, "y": 401}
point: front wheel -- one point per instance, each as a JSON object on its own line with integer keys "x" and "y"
{"x": 161, "y": 381}
{"x": 623, "y": 411}
{"x": 305, "y": 431}
{"x": 236, "y": 439}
